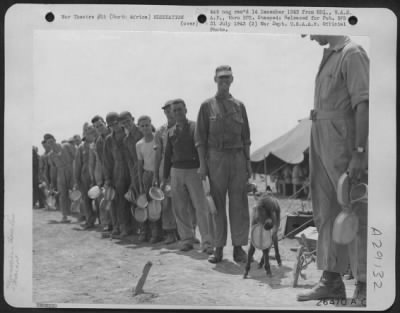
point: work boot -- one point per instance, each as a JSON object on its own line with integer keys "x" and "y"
{"x": 187, "y": 246}
{"x": 360, "y": 293}
{"x": 142, "y": 237}
{"x": 330, "y": 286}
{"x": 239, "y": 255}
{"x": 155, "y": 239}
{"x": 170, "y": 237}
{"x": 217, "y": 256}
{"x": 107, "y": 228}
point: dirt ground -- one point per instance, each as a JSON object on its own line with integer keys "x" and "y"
{"x": 71, "y": 265}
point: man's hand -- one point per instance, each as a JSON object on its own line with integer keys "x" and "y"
{"x": 107, "y": 184}
{"x": 155, "y": 181}
{"x": 202, "y": 171}
{"x": 357, "y": 166}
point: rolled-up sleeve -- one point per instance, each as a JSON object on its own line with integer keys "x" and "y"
{"x": 201, "y": 130}
{"x": 246, "y": 128}
{"x": 356, "y": 71}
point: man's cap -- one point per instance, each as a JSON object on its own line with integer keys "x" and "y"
{"x": 223, "y": 70}
{"x": 125, "y": 115}
{"x": 177, "y": 101}
{"x": 97, "y": 118}
{"x": 303, "y": 35}
{"x": 167, "y": 104}
{"x": 76, "y": 137}
{"x": 112, "y": 117}
{"x": 48, "y": 136}
{"x": 143, "y": 118}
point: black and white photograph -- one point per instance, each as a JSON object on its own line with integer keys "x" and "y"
{"x": 197, "y": 169}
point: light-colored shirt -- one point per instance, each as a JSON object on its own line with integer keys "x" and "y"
{"x": 343, "y": 77}
{"x": 145, "y": 151}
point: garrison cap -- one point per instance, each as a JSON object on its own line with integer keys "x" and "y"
{"x": 178, "y": 100}
{"x": 76, "y": 137}
{"x": 112, "y": 117}
{"x": 223, "y": 70}
{"x": 124, "y": 115}
{"x": 144, "y": 118}
{"x": 167, "y": 104}
{"x": 97, "y": 118}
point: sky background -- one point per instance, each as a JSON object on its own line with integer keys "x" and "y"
{"x": 78, "y": 74}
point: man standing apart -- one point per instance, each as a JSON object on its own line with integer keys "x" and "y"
{"x": 132, "y": 136}
{"x": 223, "y": 142}
{"x": 182, "y": 156}
{"x": 117, "y": 175}
{"x": 339, "y": 138}
{"x": 61, "y": 158}
{"x": 160, "y": 139}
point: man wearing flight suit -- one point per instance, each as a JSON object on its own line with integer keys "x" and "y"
{"x": 132, "y": 136}
{"x": 61, "y": 159}
{"x": 339, "y": 138}
{"x": 223, "y": 142}
{"x": 116, "y": 175}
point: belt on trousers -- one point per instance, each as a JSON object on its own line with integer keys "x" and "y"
{"x": 330, "y": 115}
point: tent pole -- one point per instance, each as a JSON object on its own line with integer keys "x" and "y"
{"x": 265, "y": 172}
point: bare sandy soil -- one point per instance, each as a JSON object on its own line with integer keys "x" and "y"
{"x": 75, "y": 266}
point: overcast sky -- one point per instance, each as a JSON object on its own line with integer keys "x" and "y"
{"x": 79, "y": 74}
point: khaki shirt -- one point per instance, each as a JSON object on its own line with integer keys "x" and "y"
{"x": 342, "y": 81}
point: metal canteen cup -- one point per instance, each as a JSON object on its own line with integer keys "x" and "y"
{"x": 75, "y": 195}
{"x": 94, "y": 192}
{"x": 345, "y": 226}
{"x": 209, "y": 198}
{"x": 260, "y": 238}
{"x": 156, "y": 193}
{"x": 154, "y": 210}
{"x": 140, "y": 214}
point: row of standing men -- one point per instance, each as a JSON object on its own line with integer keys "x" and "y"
{"x": 117, "y": 153}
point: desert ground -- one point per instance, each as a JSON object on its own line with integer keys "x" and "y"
{"x": 77, "y": 266}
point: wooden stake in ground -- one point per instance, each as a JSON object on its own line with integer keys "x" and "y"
{"x": 142, "y": 280}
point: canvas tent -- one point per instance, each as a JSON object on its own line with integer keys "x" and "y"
{"x": 291, "y": 147}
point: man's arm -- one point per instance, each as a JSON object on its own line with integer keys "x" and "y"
{"x": 77, "y": 168}
{"x": 158, "y": 147}
{"x": 356, "y": 72}
{"x": 140, "y": 164}
{"x": 107, "y": 162}
{"x": 201, "y": 138}
{"x": 129, "y": 161}
{"x": 359, "y": 161}
{"x": 167, "y": 159}
{"x": 53, "y": 174}
{"x": 246, "y": 140}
